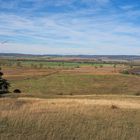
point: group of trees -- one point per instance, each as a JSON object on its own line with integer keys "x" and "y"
{"x": 4, "y": 84}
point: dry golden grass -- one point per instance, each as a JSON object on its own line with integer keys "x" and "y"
{"x": 16, "y": 73}
{"x": 69, "y": 119}
{"x": 105, "y": 70}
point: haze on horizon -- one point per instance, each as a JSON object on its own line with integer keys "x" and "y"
{"x": 91, "y": 27}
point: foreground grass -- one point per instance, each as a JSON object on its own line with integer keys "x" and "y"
{"x": 69, "y": 119}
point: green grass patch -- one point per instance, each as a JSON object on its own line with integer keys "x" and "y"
{"x": 74, "y": 84}
{"x": 43, "y": 64}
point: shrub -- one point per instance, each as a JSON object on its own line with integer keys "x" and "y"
{"x": 71, "y": 94}
{"x": 60, "y": 94}
{"x": 101, "y": 66}
{"x": 114, "y": 66}
{"x": 114, "y": 107}
{"x": 17, "y": 91}
{"x": 95, "y": 67}
{"x": 77, "y": 66}
{"x": 137, "y": 93}
{"x": 40, "y": 66}
{"x": 125, "y": 72}
{"x": 131, "y": 66}
{"x": 19, "y": 64}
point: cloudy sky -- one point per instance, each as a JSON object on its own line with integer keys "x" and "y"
{"x": 70, "y": 27}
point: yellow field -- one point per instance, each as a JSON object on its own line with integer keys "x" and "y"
{"x": 70, "y": 119}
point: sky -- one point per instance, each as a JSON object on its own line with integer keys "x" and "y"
{"x": 90, "y": 27}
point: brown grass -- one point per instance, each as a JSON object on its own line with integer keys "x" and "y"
{"x": 105, "y": 70}
{"x": 24, "y": 73}
{"x": 16, "y": 73}
{"x": 69, "y": 119}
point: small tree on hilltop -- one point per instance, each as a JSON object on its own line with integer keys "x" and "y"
{"x": 4, "y": 84}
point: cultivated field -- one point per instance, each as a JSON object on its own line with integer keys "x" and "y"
{"x": 70, "y": 101}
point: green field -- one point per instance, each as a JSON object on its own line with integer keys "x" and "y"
{"x": 74, "y": 84}
{"x": 45, "y": 64}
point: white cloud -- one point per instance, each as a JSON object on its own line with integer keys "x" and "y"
{"x": 78, "y": 32}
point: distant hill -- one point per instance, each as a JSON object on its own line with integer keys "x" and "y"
{"x": 103, "y": 57}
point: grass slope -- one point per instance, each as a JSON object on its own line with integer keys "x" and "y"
{"x": 69, "y": 119}
{"x": 76, "y": 84}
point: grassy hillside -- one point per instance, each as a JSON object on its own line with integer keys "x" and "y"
{"x": 76, "y": 84}
{"x": 59, "y": 78}
{"x": 81, "y": 102}
{"x": 69, "y": 119}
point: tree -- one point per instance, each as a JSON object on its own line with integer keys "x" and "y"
{"x": 101, "y": 66}
{"x": 114, "y": 66}
{"x": 19, "y": 64}
{"x": 4, "y": 84}
{"x": 131, "y": 66}
{"x": 40, "y": 66}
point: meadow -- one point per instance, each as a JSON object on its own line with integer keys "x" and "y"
{"x": 77, "y": 84}
{"x": 71, "y": 79}
{"x": 70, "y": 119}
{"x": 71, "y": 101}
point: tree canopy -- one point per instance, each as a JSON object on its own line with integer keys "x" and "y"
{"x": 4, "y": 84}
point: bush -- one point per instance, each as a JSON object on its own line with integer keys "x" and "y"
{"x": 125, "y": 72}
{"x": 77, "y": 66}
{"x": 114, "y": 66}
{"x": 19, "y": 64}
{"x": 40, "y": 66}
{"x": 137, "y": 93}
{"x": 114, "y": 107}
{"x": 101, "y": 66}
{"x": 95, "y": 67}
{"x": 131, "y": 66}
{"x": 17, "y": 91}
